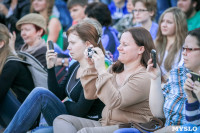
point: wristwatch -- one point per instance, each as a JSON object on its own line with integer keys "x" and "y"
{"x": 63, "y": 61}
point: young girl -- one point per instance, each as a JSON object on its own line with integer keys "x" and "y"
{"x": 144, "y": 13}
{"x": 170, "y": 39}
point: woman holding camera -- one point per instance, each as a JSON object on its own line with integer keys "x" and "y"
{"x": 121, "y": 88}
{"x": 170, "y": 101}
{"x": 49, "y": 102}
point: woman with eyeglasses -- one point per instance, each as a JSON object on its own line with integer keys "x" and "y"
{"x": 144, "y": 14}
{"x": 170, "y": 39}
{"x": 175, "y": 101}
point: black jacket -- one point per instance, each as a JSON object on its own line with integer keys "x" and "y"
{"x": 79, "y": 106}
{"x": 16, "y": 76}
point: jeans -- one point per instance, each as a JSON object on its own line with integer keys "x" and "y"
{"x": 162, "y": 5}
{"x": 8, "y": 108}
{"x": 48, "y": 129}
{"x": 128, "y": 130}
{"x": 40, "y": 100}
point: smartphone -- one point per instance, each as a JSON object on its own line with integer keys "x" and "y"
{"x": 51, "y": 46}
{"x": 195, "y": 77}
{"x": 153, "y": 56}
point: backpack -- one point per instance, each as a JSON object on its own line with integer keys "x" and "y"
{"x": 38, "y": 71}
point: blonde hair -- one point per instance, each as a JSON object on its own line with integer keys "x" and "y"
{"x": 180, "y": 34}
{"x": 5, "y": 51}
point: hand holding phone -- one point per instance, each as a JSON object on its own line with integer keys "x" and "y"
{"x": 51, "y": 46}
{"x": 153, "y": 56}
{"x": 195, "y": 77}
{"x": 90, "y": 52}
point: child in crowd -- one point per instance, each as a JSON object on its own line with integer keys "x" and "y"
{"x": 77, "y": 9}
{"x": 144, "y": 13}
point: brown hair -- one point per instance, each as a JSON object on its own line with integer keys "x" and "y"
{"x": 142, "y": 37}
{"x": 87, "y": 32}
{"x": 150, "y": 5}
{"x": 180, "y": 34}
{"x": 5, "y": 51}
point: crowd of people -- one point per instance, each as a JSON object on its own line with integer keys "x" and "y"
{"x": 100, "y": 72}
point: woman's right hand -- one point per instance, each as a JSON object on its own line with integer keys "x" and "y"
{"x": 153, "y": 72}
{"x": 51, "y": 58}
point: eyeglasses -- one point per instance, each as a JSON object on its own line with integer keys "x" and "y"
{"x": 190, "y": 49}
{"x": 139, "y": 10}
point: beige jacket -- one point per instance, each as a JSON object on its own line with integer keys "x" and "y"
{"x": 129, "y": 102}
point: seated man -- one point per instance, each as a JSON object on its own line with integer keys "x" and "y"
{"x": 191, "y": 9}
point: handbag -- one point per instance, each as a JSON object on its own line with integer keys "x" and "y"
{"x": 151, "y": 126}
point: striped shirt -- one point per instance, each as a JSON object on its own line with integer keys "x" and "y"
{"x": 175, "y": 97}
{"x": 193, "y": 112}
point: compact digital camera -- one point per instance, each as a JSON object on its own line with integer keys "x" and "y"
{"x": 90, "y": 52}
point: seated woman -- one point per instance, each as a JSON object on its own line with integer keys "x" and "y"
{"x": 192, "y": 104}
{"x": 33, "y": 27}
{"x": 169, "y": 101}
{"x": 170, "y": 39}
{"x": 124, "y": 88}
{"x": 49, "y": 102}
{"x": 14, "y": 75}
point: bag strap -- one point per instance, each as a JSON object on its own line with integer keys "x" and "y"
{"x": 153, "y": 125}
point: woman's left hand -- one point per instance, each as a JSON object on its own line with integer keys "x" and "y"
{"x": 99, "y": 60}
